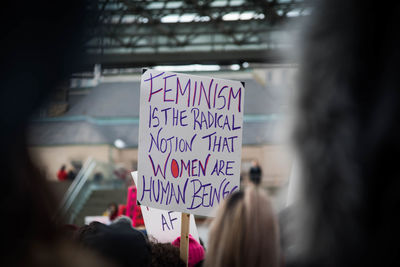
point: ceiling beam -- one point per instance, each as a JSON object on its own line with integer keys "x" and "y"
{"x": 214, "y": 57}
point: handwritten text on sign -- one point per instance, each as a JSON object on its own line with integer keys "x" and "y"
{"x": 164, "y": 225}
{"x": 190, "y": 140}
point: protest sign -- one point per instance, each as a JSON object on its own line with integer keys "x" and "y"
{"x": 190, "y": 137}
{"x": 163, "y": 225}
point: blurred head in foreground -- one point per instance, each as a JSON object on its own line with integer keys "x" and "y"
{"x": 165, "y": 255}
{"x": 41, "y": 45}
{"x": 118, "y": 242}
{"x": 245, "y": 232}
{"x": 348, "y": 135}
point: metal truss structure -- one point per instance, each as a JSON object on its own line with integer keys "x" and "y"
{"x": 135, "y": 33}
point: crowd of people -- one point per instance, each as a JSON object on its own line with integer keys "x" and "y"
{"x": 246, "y": 213}
{"x": 346, "y": 139}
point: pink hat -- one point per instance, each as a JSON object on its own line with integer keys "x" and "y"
{"x": 196, "y": 251}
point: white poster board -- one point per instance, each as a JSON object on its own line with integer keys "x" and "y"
{"x": 100, "y": 219}
{"x": 190, "y": 137}
{"x": 163, "y": 225}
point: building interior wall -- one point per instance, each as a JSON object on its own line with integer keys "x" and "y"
{"x": 274, "y": 160}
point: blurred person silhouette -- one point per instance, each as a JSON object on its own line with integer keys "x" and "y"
{"x": 40, "y": 47}
{"x": 118, "y": 242}
{"x": 255, "y": 172}
{"x": 111, "y": 211}
{"x": 347, "y": 135}
{"x": 98, "y": 177}
{"x": 165, "y": 255}
{"x": 71, "y": 175}
{"x": 62, "y": 174}
{"x": 245, "y": 232}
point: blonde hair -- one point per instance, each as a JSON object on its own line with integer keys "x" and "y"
{"x": 245, "y": 232}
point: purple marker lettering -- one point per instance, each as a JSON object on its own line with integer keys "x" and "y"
{"x": 154, "y": 141}
{"x": 156, "y": 198}
{"x": 221, "y": 167}
{"x": 195, "y": 89}
{"x": 210, "y": 119}
{"x": 226, "y": 123}
{"x": 215, "y": 93}
{"x": 179, "y": 90}
{"x": 217, "y": 144}
{"x": 205, "y": 194}
{"x": 146, "y": 190}
{"x": 175, "y": 115}
{"x": 171, "y": 219}
{"x": 182, "y": 117}
{"x": 223, "y": 97}
{"x": 228, "y": 167}
{"x": 151, "y": 84}
{"x": 172, "y": 194}
{"x": 182, "y": 193}
{"x": 164, "y": 222}
{"x": 154, "y": 117}
{"x": 218, "y": 119}
{"x": 164, "y": 191}
{"x": 224, "y": 192}
{"x": 202, "y": 89}
{"x": 209, "y": 139}
{"x": 194, "y": 167}
{"x": 225, "y": 144}
{"x": 238, "y": 93}
{"x": 232, "y": 138}
{"x": 204, "y": 168}
{"x": 165, "y": 110}
{"x": 196, "y": 113}
{"x": 233, "y": 123}
{"x": 185, "y": 167}
{"x": 216, "y": 194}
{"x": 158, "y": 169}
{"x": 195, "y": 194}
{"x": 165, "y": 88}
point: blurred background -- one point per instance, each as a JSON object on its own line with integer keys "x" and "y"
{"x": 90, "y": 123}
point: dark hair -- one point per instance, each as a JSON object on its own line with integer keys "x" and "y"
{"x": 118, "y": 242}
{"x": 113, "y": 204}
{"x": 347, "y": 134}
{"x": 233, "y": 199}
{"x": 165, "y": 255}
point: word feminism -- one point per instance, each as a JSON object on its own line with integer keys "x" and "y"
{"x": 194, "y": 92}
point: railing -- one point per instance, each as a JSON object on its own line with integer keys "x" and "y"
{"x": 93, "y": 175}
{"x": 76, "y": 186}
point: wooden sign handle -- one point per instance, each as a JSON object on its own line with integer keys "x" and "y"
{"x": 184, "y": 246}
